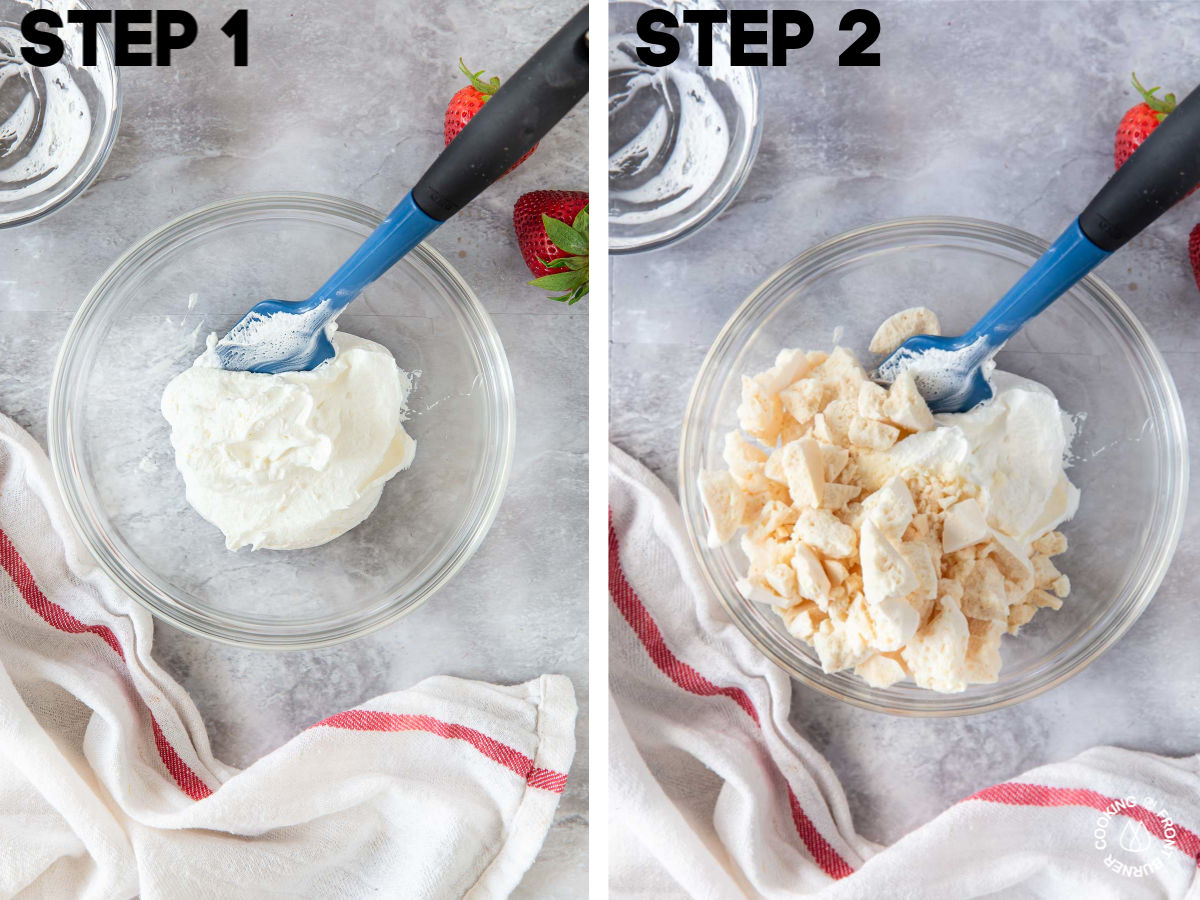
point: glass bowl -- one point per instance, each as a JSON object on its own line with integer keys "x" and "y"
{"x": 1131, "y": 461}
{"x": 146, "y": 320}
{"x": 662, "y": 185}
{"x": 30, "y": 185}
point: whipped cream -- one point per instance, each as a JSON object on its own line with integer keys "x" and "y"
{"x": 294, "y": 460}
{"x": 1013, "y": 448}
{"x": 897, "y": 543}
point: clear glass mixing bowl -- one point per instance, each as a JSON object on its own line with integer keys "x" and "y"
{"x": 1131, "y": 450}
{"x": 23, "y": 117}
{"x": 682, "y": 139}
{"x": 146, "y": 320}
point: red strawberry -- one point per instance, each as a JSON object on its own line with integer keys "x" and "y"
{"x": 1194, "y": 253}
{"x": 1139, "y": 121}
{"x": 469, "y": 100}
{"x": 552, "y": 227}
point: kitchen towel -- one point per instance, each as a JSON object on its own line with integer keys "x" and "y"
{"x": 108, "y": 787}
{"x": 713, "y": 794}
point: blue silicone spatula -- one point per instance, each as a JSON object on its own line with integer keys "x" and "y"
{"x": 950, "y": 371}
{"x": 281, "y": 336}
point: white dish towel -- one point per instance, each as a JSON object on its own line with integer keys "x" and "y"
{"x": 713, "y": 794}
{"x": 108, "y": 788}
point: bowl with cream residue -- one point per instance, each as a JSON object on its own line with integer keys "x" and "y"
{"x": 146, "y": 320}
{"x": 681, "y": 138}
{"x": 57, "y": 123}
{"x": 1129, "y": 455}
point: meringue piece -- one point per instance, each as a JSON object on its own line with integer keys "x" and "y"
{"x": 821, "y": 530}
{"x": 898, "y": 328}
{"x": 804, "y": 468}
{"x": 964, "y": 526}
{"x": 905, "y": 407}
{"x": 886, "y": 573}
{"x": 891, "y": 507}
{"x": 811, "y": 578}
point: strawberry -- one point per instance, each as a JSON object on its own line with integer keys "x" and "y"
{"x": 552, "y": 232}
{"x": 1139, "y": 121}
{"x": 1194, "y": 253}
{"x": 469, "y": 100}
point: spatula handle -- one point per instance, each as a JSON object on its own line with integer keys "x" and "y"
{"x": 517, "y": 116}
{"x": 1158, "y": 175}
{"x": 1072, "y": 256}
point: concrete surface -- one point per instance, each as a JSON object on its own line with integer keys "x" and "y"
{"x": 348, "y": 100}
{"x": 993, "y": 110}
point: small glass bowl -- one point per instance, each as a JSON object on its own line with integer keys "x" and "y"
{"x": 146, "y": 320}
{"x": 24, "y": 199}
{"x": 1131, "y": 461}
{"x": 649, "y": 118}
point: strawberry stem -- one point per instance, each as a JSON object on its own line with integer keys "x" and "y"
{"x": 1161, "y": 106}
{"x": 487, "y": 88}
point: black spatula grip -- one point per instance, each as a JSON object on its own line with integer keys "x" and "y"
{"x": 516, "y": 117}
{"x": 1158, "y": 174}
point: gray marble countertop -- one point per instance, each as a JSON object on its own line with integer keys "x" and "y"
{"x": 348, "y": 100}
{"x": 997, "y": 111}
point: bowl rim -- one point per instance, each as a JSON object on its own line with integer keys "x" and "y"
{"x": 731, "y": 190}
{"x": 112, "y": 129}
{"x": 62, "y": 451}
{"x": 1173, "y": 449}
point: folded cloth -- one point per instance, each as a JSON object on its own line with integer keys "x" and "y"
{"x": 108, "y": 787}
{"x": 714, "y": 794}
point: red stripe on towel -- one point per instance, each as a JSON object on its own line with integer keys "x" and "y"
{"x": 1014, "y": 793}
{"x": 12, "y": 563}
{"x": 510, "y": 758}
{"x": 630, "y": 604}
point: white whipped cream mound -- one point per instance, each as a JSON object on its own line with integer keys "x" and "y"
{"x": 1013, "y": 447}
{"x": 290, "y": 461}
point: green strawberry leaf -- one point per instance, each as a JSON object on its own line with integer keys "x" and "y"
{"x": 568, "y": 262}
{"x": 574, "y": 297}
{"x": 564, "y": 237}
{"x": 570, "y": 299}
{"x": 1162, "y": 106}
{"x": 560, "y": 281}
{"x": 569, "y": 273}
{"x": 487, "y": 88}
